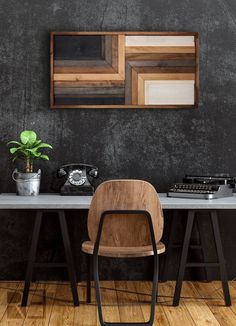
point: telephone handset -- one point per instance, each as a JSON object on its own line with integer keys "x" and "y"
{"x": 76, "y": 179}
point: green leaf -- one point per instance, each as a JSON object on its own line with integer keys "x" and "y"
{"x": 28, "y": 137}
{"x": 33, "y": 152}
{"x": 44, "y": 145}
{"x": 37, "y": 142}
{"x": 14, "y": 142}
{"x": 44, "y": 157}
{"x": 14, "y": 149}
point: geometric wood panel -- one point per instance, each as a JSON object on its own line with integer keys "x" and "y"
{"x": 124, "y": 70}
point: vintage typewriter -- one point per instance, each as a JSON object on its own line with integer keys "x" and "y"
{"x": 203, "y": 187}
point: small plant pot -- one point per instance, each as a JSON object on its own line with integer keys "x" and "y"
{"x": 27, "y": 184}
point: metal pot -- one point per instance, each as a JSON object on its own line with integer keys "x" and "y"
{"x": 27, "y": 184}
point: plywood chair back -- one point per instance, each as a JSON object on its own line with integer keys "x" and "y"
{"x": 125, "y": 230}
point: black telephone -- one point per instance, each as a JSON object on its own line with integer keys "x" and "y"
{"x": 75, "y": 179}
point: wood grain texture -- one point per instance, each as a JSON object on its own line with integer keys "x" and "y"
{"x": 169, "y": 91}
{"x": 161, "y": 49}
{"x": 147, "y": 40}
{"x": 126, "y": 301}
{"x": 94, "y": 83}
{"x": 123, "y": 252}
{"x": 124, "y": 57}
{"x": 125, "y": 230}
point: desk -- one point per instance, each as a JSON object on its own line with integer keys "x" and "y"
{"x": 57, "y": 203}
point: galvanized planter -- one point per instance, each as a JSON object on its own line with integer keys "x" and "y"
{"x": 27, "y": 184}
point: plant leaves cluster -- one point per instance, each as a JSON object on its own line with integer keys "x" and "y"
{"x": 29, "y": 147}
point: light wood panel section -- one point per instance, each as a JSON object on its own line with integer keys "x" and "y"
{"x": 147, "y": 40}
{"x": 85, "y": 70}
{"x": 179, "y": 92}
{"x": 86, "y": 77}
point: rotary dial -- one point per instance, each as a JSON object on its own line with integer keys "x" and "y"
{"x": 76, "y": 178}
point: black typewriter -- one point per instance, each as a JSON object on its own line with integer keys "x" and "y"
{"x": 203, "y": 187}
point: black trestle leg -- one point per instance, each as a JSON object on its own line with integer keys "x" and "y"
{"x": 89, "y": 276}
{"x": 221, "y": 259}
{"x": 31, "y": 259}
{"x": 69, "y": 259}
{"x": 184, "y": 257}
{"x": 169, "y": 246}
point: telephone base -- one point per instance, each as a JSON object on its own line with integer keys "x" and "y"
{"x": 77, "y": 191}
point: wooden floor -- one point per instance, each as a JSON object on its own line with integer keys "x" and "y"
{"x": 51, "y": 304}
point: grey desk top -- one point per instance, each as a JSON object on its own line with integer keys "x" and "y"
{"x": 55, "y": 201}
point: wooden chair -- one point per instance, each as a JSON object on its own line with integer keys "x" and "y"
{"x": 125, "y": 220}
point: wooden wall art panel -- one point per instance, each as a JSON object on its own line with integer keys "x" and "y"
{"x": 124, "y": 70}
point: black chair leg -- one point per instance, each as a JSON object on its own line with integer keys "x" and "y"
{"x": 184, "y": 257}
{"x": 89, "y": 276}
{"x": 69, "y": 259}
{"x": 31, "y": 260}
{"x": 221, "y": 259}
{"x": 96, "y": 273}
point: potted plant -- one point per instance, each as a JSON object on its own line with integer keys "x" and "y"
{"x": 29, "y": 149}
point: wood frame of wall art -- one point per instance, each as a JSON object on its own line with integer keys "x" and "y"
{"x": 124, "y": 70}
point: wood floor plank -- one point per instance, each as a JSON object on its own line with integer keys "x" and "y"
{"x": 110, "y": 302}
{"x": 39, "y": 311}
{"x": 85, "y": 314}
{"x": 7, "y": 291}
{"x": 129, "y": 307}
{"x": 232, "y": 288}
{"x": 50, "y": 304}
{"x": 15, "y": 314}
{"x": 144, "y": 296}
{"x": 63, "y": 309}
{"x": 224, "y": 315}
{"x": 200, "y": 312}
{"x": 177, "y": 316}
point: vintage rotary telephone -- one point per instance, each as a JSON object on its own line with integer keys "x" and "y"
{"x": 75, "y": 179}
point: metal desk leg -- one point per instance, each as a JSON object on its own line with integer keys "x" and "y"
{"x": 89, "y": 259}
{"x": 32, "y": 254}
{"x": 169, "y": 247}
{"x": 69, "y": 259}
{"x": 204, "y": 248}
{"x": 184, "y": 257}
{"x": 219, "y": 249}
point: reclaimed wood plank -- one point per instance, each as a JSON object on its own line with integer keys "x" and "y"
{"x": 154, "y": 40}
{"x": 86, "y": 77}
{"x": 160, "y": 49}
{"x": 90, "y": 91}
{"x": 173, "y": 70}
{"x": 95, "y": 83}
{"x": 159, "y": 56}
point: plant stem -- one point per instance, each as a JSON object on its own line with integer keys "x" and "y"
{"x": 29, "y": 165}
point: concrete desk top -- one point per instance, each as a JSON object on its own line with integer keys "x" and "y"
{"x": 55, "y": 201}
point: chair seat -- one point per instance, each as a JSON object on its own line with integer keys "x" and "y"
{"x": 143, "y": 251}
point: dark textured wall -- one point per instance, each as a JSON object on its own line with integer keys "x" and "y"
{"x": 159, "y": 146}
